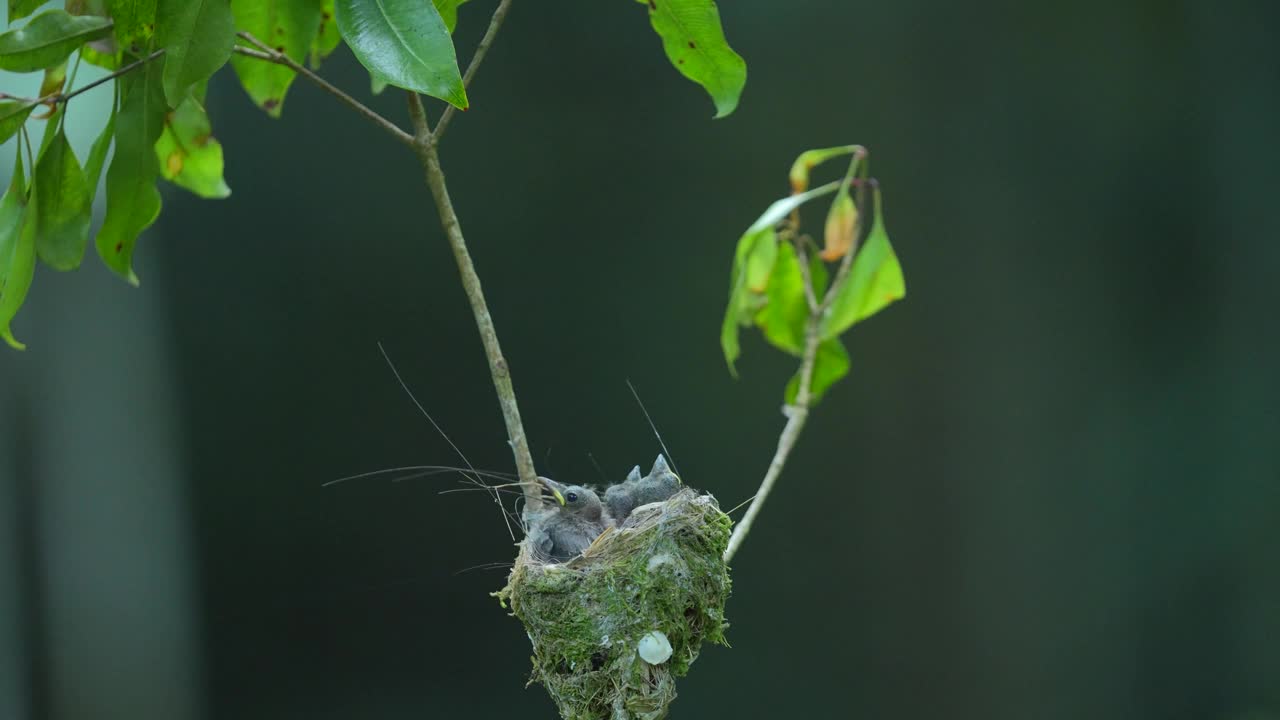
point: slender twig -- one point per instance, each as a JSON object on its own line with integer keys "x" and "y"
{"x": 798, "y": 411}
{"x": 499, "y": 15}
{"x": 62, "y": 97}
{"x": 269, "y": 54}
{"x": 498, "y": 369}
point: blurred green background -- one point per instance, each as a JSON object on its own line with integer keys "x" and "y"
{"x": 1050, "y": 487}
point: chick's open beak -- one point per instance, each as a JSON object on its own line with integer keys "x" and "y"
{"x": 552, "y": 488}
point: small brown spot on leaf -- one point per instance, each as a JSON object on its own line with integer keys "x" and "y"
{"x": 119, "y": 246}
{"x": 326, "y": 15}
{"x": 280, "y": 49}
{"x": 270, "y": 104}
{"x": 691, "y": 45}
{"x": 173, "y": 163}
{"x": 201, "y": 140}
{"x": 279, "y": 31}
{"x": 653, "y": 5}
{"x": 680, "y": 61}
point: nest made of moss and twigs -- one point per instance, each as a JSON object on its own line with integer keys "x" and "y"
{"x": 659, "y": 575}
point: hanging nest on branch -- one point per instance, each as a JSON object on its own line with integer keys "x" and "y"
{"x": 613, "y": 628}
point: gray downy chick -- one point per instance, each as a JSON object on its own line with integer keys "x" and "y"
{"x": 574, "y": 518}
{"x": 660, "y": 484}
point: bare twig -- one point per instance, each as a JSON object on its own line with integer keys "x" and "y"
{"x": 499, "y": 15}
{"x": 498, "y": 369}
{"x": 269, "y": 54}
{"x": 798, "y": 412}
{"x": 62, "y": 97}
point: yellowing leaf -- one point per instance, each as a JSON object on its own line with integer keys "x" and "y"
{"x": 841, "y": 228}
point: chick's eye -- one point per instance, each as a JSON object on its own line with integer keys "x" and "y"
{"x": 571, "y": 497}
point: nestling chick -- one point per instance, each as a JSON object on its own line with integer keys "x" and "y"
{"x": 660, "y": 484}
{"x": 570, "y": 523}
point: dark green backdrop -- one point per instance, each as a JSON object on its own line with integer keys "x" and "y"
{"x": 1050, "y": 487}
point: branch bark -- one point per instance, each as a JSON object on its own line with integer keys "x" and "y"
{"x": 429, "y": 157}
{"x": 271, "y": 55}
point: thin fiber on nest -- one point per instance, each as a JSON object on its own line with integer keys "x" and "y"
{"x": 661, "y": 572}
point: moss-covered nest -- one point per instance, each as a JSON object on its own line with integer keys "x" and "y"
{"x": 661, "y": 570}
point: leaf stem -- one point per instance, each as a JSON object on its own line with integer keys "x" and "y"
{"x": 269, "y": 54}
{"x": 798, "y": 412}
{"x": 429, "y": 157}
{"x": 499, "y": 15}
{"x": 62, "y": 97}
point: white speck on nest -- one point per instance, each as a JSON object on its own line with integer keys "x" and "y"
{"x": 655, "y": 648}
{"x": 658, "y": 561}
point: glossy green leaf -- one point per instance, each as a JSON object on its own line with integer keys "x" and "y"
{"x": 19, "y": 9}
{"x": 135, "y": 23}
{"x": 829, "y": 365}
{"x": 13, "y": 113}
{"x": 133, "y": 202}
{"x": 17, "y": 251}
{"x": 328, "y": 38}
{"x": 189, "y": 155}
{"x": 289, "y": 26}
{"x": 47, "y": 39}
{"x": 809, "y": 159}
{"x": 62, "y": 199}
{"x": 449, "y": 12}
{"x": 695, "y": 44}
{"x": 783, "y": 318}
{"x": 98, "y": 155}
{"x": 197, "y": 37}
{"x": 874, "y": 282}
{"x": 404, "y": 42}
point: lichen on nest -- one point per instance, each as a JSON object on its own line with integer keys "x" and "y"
{"x": 661, "y": 571}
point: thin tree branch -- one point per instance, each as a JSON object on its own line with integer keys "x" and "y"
{"x": 499, "y": 15}
{"x": 269, "y": 54}
{"x": 61, "y": 97}
{"x": 798, "y": 412}
{"x": 498, "y": 369}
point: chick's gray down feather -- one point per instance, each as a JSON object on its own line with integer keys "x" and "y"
{"x": 660, "y": 484}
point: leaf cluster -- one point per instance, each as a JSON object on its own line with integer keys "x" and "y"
{"x": 161, "y": 54}
{"x": 782, "y": 282}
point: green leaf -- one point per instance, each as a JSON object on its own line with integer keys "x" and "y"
{"x": 841, "y": 229}
{"x": 810, "y": 159}
{"x": 197, "y": 36}
{"x": 135, "y": 22}
{"x": 761, "y": 259}
{"x": 406, "y": 43}
{"x": 62, "y": 202}
{"x": 783, "y": 318}
{"x": 695, "y": 44}
{"x": 19, "y": 9}
{"x": 189, "y": 155}
{"x": 743, "y": 303}
{"x": 98, "y": 155}
{"x": 13, "y": 113}
{"x": 449, "y": 12}
{"x": 133, "y": 202}
{"x": 47, "y": 40}
{"x": 102, "y": 52}
{"x": 17, "y": 251}
{"x": 328, "y": 38}
{"x": 874, "y": 282}
{"x": 54, "y": 78}
{"x": 829, "y": 365}
{"x": 289, "y": 26}
{"x": 781, "y": 208}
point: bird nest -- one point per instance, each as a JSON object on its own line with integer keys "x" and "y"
{"x": 612, "y": 628}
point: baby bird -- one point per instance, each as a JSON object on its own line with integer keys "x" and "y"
{"x": 570, "y": 523}
{"x": 660, "y": 484}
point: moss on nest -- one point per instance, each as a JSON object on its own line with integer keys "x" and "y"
{"x": 662, "y": 570}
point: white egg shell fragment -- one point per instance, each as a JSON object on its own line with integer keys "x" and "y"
{"x": 655, "y": 648}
